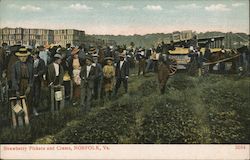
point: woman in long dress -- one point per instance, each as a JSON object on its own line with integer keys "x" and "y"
{"x": 76, "y": 75}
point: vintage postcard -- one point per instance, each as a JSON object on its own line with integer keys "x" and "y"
{"x": 124, "y": 79}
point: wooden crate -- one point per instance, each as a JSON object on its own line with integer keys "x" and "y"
{"x": 19, "y": 120}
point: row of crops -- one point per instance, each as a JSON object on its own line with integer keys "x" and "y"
{"x": 193, "y": 110}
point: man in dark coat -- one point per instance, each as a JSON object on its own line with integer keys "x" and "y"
{"x": 10, "y": 60}
{"x": 54, "y": 74}
{"x": 87, "y": 75}
{"x": 142, "y": 61}
{"x": 99, "y": 77}
{"x": 122, "y": 73}
{"x": 38, "y": 72}
{"x": 55, "y": 71}
{"x": 68, "y": 48}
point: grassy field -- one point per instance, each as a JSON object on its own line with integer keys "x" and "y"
{"x": 213, "y": 109}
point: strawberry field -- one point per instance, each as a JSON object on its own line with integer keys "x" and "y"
{"x": 213, "y": 109}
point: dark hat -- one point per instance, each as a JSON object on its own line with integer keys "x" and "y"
{"x": 58, "y": 56}
{"x": 89, "y": 57}
{"x": 23, "y": 52}
{"x": 108, "y": 58}
{"x": 35, "y": 52}
{"x": 40, "y": 47}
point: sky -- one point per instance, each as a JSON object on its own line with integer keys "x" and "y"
{"x": 127, "y": 17}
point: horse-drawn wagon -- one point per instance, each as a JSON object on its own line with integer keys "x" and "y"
{"x": 179, "y": 59}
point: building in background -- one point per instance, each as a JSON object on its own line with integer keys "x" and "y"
{"x": 37, "y": 37}
{"x": 72, "y": 36}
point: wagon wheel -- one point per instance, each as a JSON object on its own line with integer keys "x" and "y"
{"x": 172, "y": 67}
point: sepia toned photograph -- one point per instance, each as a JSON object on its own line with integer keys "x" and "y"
{"x": 99, "y": 75}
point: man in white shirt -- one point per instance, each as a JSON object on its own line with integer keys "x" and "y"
{"x": 55, "y": 71}
{"x": 87, "y": 75}
{"x": 55, "y": 74}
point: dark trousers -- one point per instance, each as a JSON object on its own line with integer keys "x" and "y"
{"x": 36, "y": 92}
{"x": 98, "y": 88}
{"x": 118, "y": 84}
{"x": 67, "y": 86}
{"x": 162, "y": 88}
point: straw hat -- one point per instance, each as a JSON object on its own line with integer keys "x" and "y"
{"x": 23, "y": 52}
{"x": 92, "y": 50}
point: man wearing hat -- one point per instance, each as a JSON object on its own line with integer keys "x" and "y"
{"x": 99, "y": 77}
{"x": 92, "y": 50}
{"x": 82, "y": 54}
{"x": 10, "y": 60}
{"x": 38, "y": 72}
{"x": 68, "y": 47}
{"x": 22, "y": 74}
{"x": 142, "y": 61}
{"x": 67, "y": 77}
{"x": 55, "y": 71}
{"x": 122, "y": 73}
{"x": 88, "y": 75}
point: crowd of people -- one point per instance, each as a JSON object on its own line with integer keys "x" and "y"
{"x": 85, "y": 72}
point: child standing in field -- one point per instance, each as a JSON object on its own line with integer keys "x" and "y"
{"x": 109, "y": 75}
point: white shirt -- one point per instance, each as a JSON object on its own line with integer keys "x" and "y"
{"x": 121, "y": 63}
{"x": 56, "y": 66}
{"x": 88, "y": 70}
{"x": 142, "y": 53}
{"x": 36, "y": 62}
